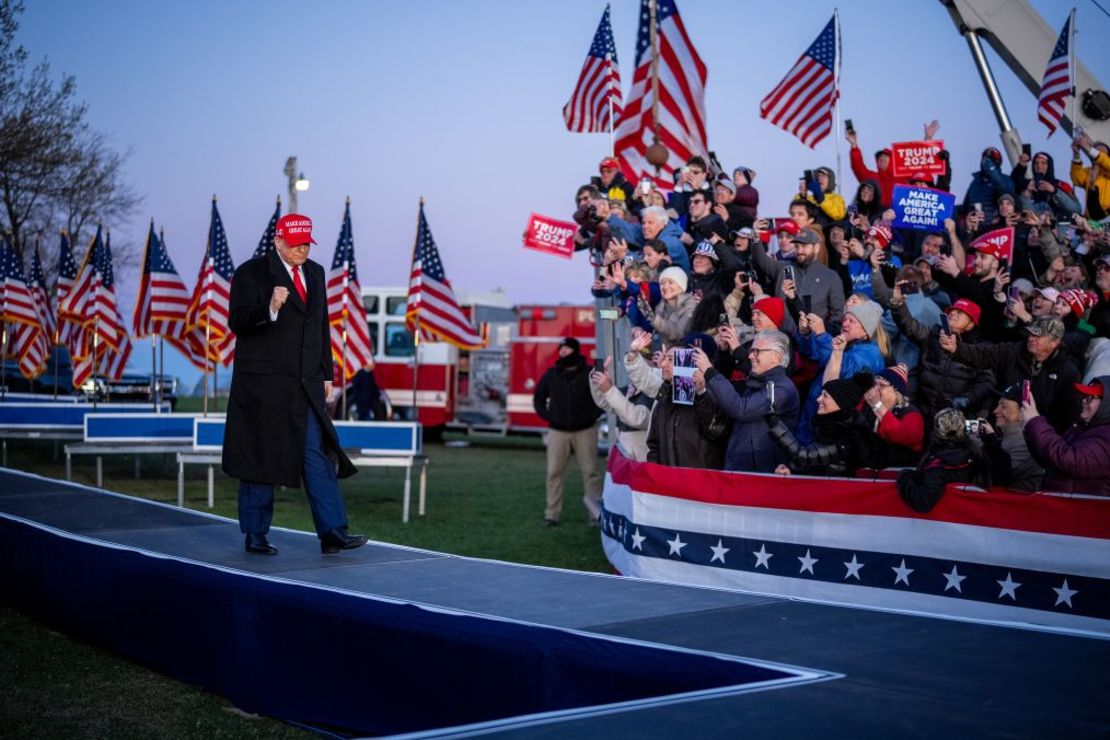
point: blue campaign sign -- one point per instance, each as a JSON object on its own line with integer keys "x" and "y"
{"x": 922, "y": 208}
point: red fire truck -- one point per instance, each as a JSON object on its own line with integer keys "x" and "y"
{"x": 481, "y": 391}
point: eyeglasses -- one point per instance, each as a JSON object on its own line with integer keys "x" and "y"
{"x": 1102, "y": 267}
{"x": 757, "y": 350}
{"x": 695, "y": 201}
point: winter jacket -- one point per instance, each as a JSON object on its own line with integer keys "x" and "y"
{"x": 632, "y": 408}
{"x": 987, "y": 185}
{"x": 671, "y": 235}
{"x": 979, "y": 292}
{"x": 874, "y": 208}
{"x": 830, "y": 202}
{"x": 1095, "y": 180}
{"x": 1024, "y": 473}
{"x": 644, "y": 376}
{"x": 619, "y": 189}
{"x": 1050, "y": 383}
{"x": 1098, "y": 359}
{"x": 747, "y": 198}
{"x": 673, "y": 322}
{"x": 1079, "y": 460}
{"x": 858, "y": 357}
{"x": 687, "y": 436}
{"x": 820, "y": 283}
{"x": 943, "y": 378}
{"x": 923, "y": 486}
{"x": 906, "y": 351}
{"x": 1059, "y": 202}
{"x": 749, "y": 446}
{"x": 900, "y": 436}
{"x": 563, "y": 398}
{"x": 704, "y": 228}
{"x": 842, "y": 444}
{"x": 885, "y": 178}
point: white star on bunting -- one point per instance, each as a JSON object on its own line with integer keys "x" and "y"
{"x": 807, "y": 563}
{"x": 1009, "y": 587}
{"x": 676, "y": 545}
{"x": 853, "y": 568}
{"x": 638, "y": 540}
{"x": 719, "y": 552}
{"x": 902, "y": 573}
{"x": 762, "y": 557}
{"x": 1064, "y": 594}
{"x": 953, "y": 580}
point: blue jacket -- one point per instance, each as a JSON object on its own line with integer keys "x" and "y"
{"x": 987, "y": 186}
{"x": 858, "y": 356}
{"x": 750, "y": 447}
{"x": 671, "y": 235}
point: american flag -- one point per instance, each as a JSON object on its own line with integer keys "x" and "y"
{"x": 266, "y": 243}
{"x": 163, "y": 300}
{"x": 71, "y": 331}
{"x": 802, "y": 103}
{"x": 431, "y": 302}
{"x": 599, "y": 82}
{"x": 345, "y": 311}
{"x": 1057, "y": 83}
{"x": 28, "y": 342}
{"x": 36, "y": 283}
{"x": 208, "y": 308}
{"x": 682, "y": 78}
{"x": 92, "y": 303}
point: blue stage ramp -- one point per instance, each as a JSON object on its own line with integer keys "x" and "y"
{"x": 387, "y": 640}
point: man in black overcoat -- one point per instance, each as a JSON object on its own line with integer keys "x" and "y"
{"x": 278, "y": 431}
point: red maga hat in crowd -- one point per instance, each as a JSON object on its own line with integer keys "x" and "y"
{"x": 971, "y": 309}
{"x": 294, "y": 229}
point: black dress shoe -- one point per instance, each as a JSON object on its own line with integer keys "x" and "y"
{"x": 259, "y": 545}
{"x": 338, "y": 539}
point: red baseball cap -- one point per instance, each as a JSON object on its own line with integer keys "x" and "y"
{"x": 1094, "y": 389}
{"x": 294, "y": 229}
{"x": 990, "y": 248}
{"x": 609, "y": 163}
{"x": 971, "y": 309}
{"x": 787, "y": 225}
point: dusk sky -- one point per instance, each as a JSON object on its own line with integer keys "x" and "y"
{"x": 461, "y": 103}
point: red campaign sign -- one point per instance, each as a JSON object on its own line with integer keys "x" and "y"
{"x": 999, "y": 243}
{"x": 912, "y": 157}
{"x": 547, "y": 235}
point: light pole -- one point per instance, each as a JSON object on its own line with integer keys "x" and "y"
{"x": 297, "y": 182}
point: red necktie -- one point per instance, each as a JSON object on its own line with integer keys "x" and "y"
{"x": 299, "y": 284}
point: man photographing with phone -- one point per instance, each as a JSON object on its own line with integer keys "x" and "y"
{"x": 806, "y": 277}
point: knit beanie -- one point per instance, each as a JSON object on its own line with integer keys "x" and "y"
{"x": 898, "y": 376}
{"x": 773, "y": 308}
{"x": 846, "y": 393}
{"x": 869, "y": 314}
{"x": 676, "y": 274}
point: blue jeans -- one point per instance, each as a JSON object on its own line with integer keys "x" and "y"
{"x": 256, "y": 500}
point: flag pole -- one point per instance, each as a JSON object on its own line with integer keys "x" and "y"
{"x": 161, "y": 369}
{"x": 57, "y": 339}
{"x": 836, "y": 104}
{"x": 612, "y": 146}
{"x": 1071, "y": 73}
{"x": 343, "y": 362}
{"x": 154, "y": 372}
{"x": 4, "y": 365}
{"x": 207, "y": 311}
{"x": 416, "y": 324}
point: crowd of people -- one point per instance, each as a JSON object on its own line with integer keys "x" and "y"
{"x": 833, "y": 343}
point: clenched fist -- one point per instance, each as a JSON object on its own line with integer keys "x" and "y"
{"x": 277, "y": 300}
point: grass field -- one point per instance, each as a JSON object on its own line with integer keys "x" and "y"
{"x": 485, "y": 500}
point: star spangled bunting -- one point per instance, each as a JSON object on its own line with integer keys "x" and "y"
{"x": 682, "y": 77}
{"x": 802, "y": 103}
{"x": 599, "y": 83}
{"x": 431, "y": 302}
{"x": 209, "y": 336}
{"x": 266, "y": 243}
{"x": 350, "y": 333}
{"x": 27, "y": 342}
{"x": 1057, "y": 83}
{"x": 986, "y": 583}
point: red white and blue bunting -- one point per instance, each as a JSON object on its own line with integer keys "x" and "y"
{"x": 992, "y": 555}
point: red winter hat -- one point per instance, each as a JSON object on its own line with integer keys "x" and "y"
{"x": 1078, "y": 301}
{"x": 881, "y": 234}
{"x": 971, "y": 309}
{"x": 609, "y": 163}
{"x": 994, "y": 154}
{"x": 295, "y": 229}
{"x": 771, "y": 307}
